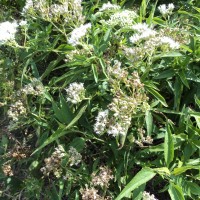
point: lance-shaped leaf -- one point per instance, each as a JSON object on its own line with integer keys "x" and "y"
{"x": 168, "y": 147}
{"x": 139, "y": 179}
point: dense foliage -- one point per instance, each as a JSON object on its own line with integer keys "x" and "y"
{"x": 99, "y": 100}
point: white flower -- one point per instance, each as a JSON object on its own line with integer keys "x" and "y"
{"x": 117, "y": 128}
{"x": 172, "y": 44}
{"x": 28, "y": 5}
{"x": 109, "y": 6}
{"x": 8, "y": 31}
{"x": 171, "y": 7}
{"x": 144, "y": 32}
{"x": 147, "y": 196}
{"x": 166, "y": 10}
{"x": 123, "y": 18}
{"x": 140, "y": 27}
{"x": 101, "y": 122}
{"x": 23, "y": 23}
{"x": 78, "y": 33}
{"x": 16, "y": 110}
{"x": 75, "y": 92}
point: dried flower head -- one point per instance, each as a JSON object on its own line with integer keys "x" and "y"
{"x": 103, "y": 177}
{"x": 7, "y": 170}
{"x": 90, "y": 194}
{"x": 53, "y": 163}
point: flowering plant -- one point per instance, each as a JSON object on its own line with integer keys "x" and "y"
{"x": 100, "y": 101}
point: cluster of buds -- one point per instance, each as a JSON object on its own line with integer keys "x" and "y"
{"x": 103, "y": 177}
{"x": 16, "y": 110}
{"x": 53, "y": 163}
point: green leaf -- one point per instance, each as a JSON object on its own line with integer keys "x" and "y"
{"x": 175, "y": 192}
{"x": 169, "y": 54}
{"x": 62, "y": 113}
{"x": 64, "y": 48}
{"x": 157, "y": 95}
{"x": 178, "y": 88}
{"x": 183, "y": 78}
{"x": 139, "y": 179}
{"x": 51, "y": 66}
{"x": 180, "y": 170}
{"x": 168, "y": 147}
{"x": 193, "y": 188}
{"x": 34, "y": 70}
{"x": 95, "y": 73}
{"x": 103, "y": 65}
{"x": 150, "y": 18}
{"x": 62, "y": 131}
{"x": 65, "y": 110}
{"x": 149, "y": 122}
{"x": 165, "y": 74}
{"x": 78, "y": 143}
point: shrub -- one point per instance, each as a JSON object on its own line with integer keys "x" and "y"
{"x": 100, "y": 101}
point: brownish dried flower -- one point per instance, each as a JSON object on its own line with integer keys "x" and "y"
{"x": 7, "y": 170}
{"x": 103, "y": 177}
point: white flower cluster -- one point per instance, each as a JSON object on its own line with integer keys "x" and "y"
{"x": 28, "y": 5}
{"x": 53, "y": 163}
{"x": 23, "y": 23}
{"x": 78, "y": 33}
{"x": 123, "y": 106}
{"x": 122, "y": 18}
{"x": 109, "y": 6}
{"x": 143, "y": 32}
{"x": 34, "y": 88}
{"x": 114, "y": 126}
{"x": 59, "y": 9}
{"x": 7, "y": 31}
{"x": 148, "y": 41}
{"x": 75, "y": 92}
{"x": 74, "y": 156}
{"x": 170, "y": 42}
{"x": 16, "y": 110}
{"x": 166, "y": 10}
{"x": 117, "y": 71}
{"x": 148, "y": 196}
{"x": 101, "y": 122}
